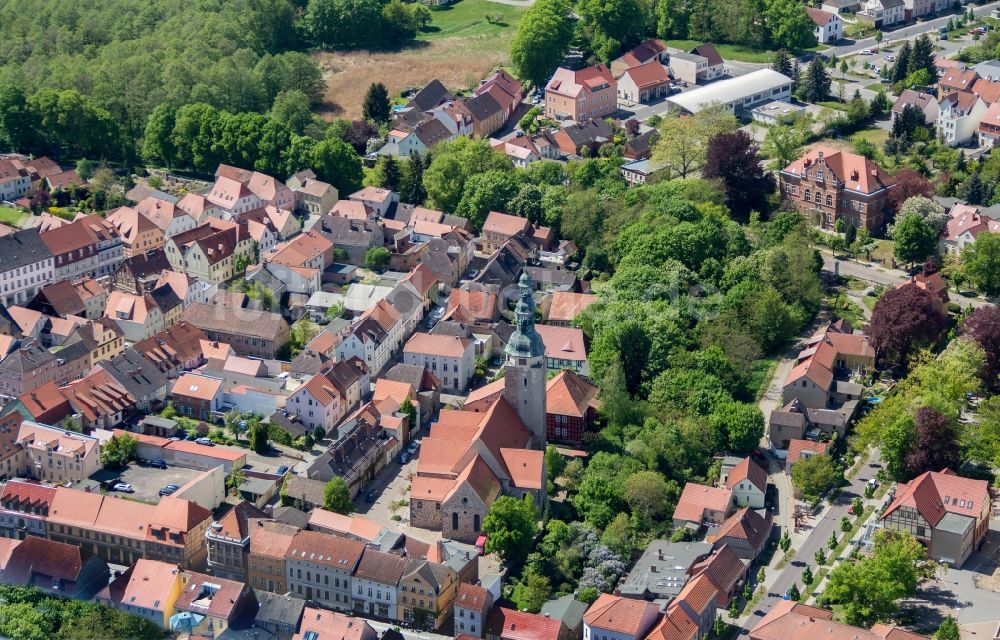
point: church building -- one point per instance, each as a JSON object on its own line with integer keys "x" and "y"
{"x": 470, "y": 458}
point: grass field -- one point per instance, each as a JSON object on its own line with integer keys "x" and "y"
{"x": 11, "y": 216}
{"x": 458, "y": 48}
{"x": 875, "y": 136}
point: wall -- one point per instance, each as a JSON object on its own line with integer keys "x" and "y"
{"x": 208, "y": 489}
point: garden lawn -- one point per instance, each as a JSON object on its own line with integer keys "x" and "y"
{"x": 11, "y": 216}
{"x": 731, "y": 51}
{"x": 874, "y": 135}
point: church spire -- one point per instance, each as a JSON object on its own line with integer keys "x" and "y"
{"x": 525, "y": 341}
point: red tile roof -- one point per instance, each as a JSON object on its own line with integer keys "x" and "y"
{"x": 212, "y": 596}
{"x": 697, "y": 498}
{"x": 796, "y": 447}
{"x": 934, "y": 494}
{"x": 562, "y": 343}
{"x": 648, "y": 75}
{"x": 676, "y": 625}
{"x": 747, "y": 469}
{"x": 618, "y": 614}
{"x": 506, "y": 224}
{"x": 437, "y": 345}
{"x": 855, "y": 171}
{"x": 699, "y": 593}
{"x": 565, "y": 305}
{"x": 746, "y": 524}
{"x": 471, "y": 596}
{"x": 819, "y": 16}
{"x": 569, "y": 394}
{"x": 509, "y": 624}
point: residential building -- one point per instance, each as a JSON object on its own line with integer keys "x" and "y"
{"x": 956, "y": 79}
{"x": 510, "y": 624}
{"x": 829, "y": 26}
{"x": 959, "y": 116}
{"x": 213, "y": 604}
{"x": 426, "y": 592}
{"x": 176, "y": 349}
{"x": 802, "y": 449}
{"x": 716, "y": 66}
{"x": 61, "y": 570}
{"x": 250, "y": 333}
{"x": 209, "y": 252}
{"x": 375, "y": 582}
{"x": 268, "y": 190}
{"x": 137, "y": 316}
{"x": 56, "y": 455}
{"x": 700, "y": 504}
{"x": 947, "y": 513}
{"x": 98, "y": 400}
{"x": 841, "y": 6}
{"x": 198, "y": 397}
{"x": 564, "y": 306}
{"x": 15, "y": 181}
{"x": 790, "y": 619}
{"x": 416, "y": 141}
{"x": 139, "y": 377}
{"x": 651, "y": 50}
{"x": 279, "y": 614}
{"x": 643, "y": 83}
{"x": 697, "y": 599}
{"x": 84, "y": 298}
{"x": 747, "y": 481}
{"x": 923, "y": 101}
{"x": 375, "y": 336}
{"x": 450, "y": 358}
{"x": 318, "y": 624}
{"x": 88, "y": 246}
{"x": 26, "y": 265}
{"x": 165, "y": 214}
{"x": 501, "y": 227}
{"x": 138, "y": 233}
{"x": 24, "y": 504}
{"x": 812, "y": 381}
{"x": 148, "y": 589}
{"x": 965, "y": 222}
{"x": 618, "y": 618}
{"x": 228, "y": 541}
{"x": 312, "y": 196}
{"x": 328, "y": 396}
{"x": 122, "y": 531}
{"x": 572, "y": 137}
{"x": 140, "y": 273}
{"x": 746, "y": 532}
{"x": 471, "y": 606}
{"x": 739, "y": 94}
{"x": 269, "y": 544}
{"x": 687, "y": 67}
{"x": 564, "y": 348}
{"x": 581, "y": 95}
{"x": 662, "y": 570}
{"x": 989, "y": 126}
{"x": 725, "y": 570}
{"x": 571, "y": 407}
{"x": 319, "y": 567}
{"x": 884, "y": 13}
{"x": 675, "y": 625}
{"x": 830, "y": 185}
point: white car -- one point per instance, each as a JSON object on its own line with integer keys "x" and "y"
{"x": 865, "y": 52}
{"x": 124, "y": 487}
{"x": 890, "y": 57}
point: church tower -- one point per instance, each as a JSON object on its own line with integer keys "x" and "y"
{"x": 525, "y": 370}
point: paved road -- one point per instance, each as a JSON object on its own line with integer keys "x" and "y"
{"x": 911, "y": 31}
{"x": 891, "y": 277}
{"x": 820, "y": 534}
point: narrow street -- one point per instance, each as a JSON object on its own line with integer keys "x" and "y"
{"x": 881, "y": 275}
{"x": 818, "y": 536}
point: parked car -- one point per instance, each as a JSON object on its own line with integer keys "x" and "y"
{"x": 412, "y": 447}
{"x": 282, "y": 470}
{"x": 404, "y": 457}
{"x": 370, "y": 496}
{"x": 158, "y": 464}
{"x": 169, "y": 490}
{"x": 889, "y": 57}
{"x": 205, "y": 441}
{"x": 124, "y": 487}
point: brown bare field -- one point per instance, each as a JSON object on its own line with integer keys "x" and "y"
{"x": 457, "y": 62}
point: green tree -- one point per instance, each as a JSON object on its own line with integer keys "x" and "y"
{"x": 377, "y": 258}
{"x": 815, "y": 82}
{"x": 399, "y": 23}
{"x": 510, "y": 527}
{"x": 782, "y": 62}
{"x": 981, "y": 262}
{"x": 947, "y": 630}
{"x": 234, "y": 480}
{"x": 343, "y": 24}
{"x": 793, "y": 592}
{"x": 612, "y": 24}
{"x": 845, "y": 524}
{"x": 649, "y": 495}
{"x": 868, "y": 590}
{"x": 411, "y": 187}
{"x": 914, "y": 238}
{"x": 785, "y": 543}
{"x": 783, "y": 144}
{"x": 375, "y": 105}
{"x": 293, "y": 108}
{"x": 813, "y": 475}
{"x": 410, "y": 411}
{"x": 807, "y": 576}
{"x": 532, "y": 591}
{"x": 485, "y": 192}
{"x": 118, "y": 451}
{"x": 789, "y": 24}
{"x": 337, "y": 496}
{"x": 258, "y": 437}
{"x": 820, "y": 555}
{"x": 554, "y": 462}
{"x": 718, "y": 627}
{"x": 453, "y": 163}
{"x": 542, "y": 39}
{"x": 683, "y": 142}
{"x": 387, "y": 173}
{"x": 336, "y": 162}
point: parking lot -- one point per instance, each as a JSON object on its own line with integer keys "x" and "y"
{"x": 392, "y": 488}
{"x": 147, "y": 481}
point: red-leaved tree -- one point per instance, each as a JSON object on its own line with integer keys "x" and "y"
{"x": 734, "y": 158}
{"x": 904, "y": 319}
{"x": 935, "y": 443}
{"x": 983, "y": 326}
{"x": 909, "y": 183}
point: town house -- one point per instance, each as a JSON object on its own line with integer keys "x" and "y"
{"x": 375, "y": 583}
{"x": 26, "y": 265}
{"x": 581, "y": 95}
{"x": 319, "y": 567}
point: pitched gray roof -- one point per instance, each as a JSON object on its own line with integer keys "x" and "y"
{"x": 22, "y": 248}
{"x": 132, "y": 370}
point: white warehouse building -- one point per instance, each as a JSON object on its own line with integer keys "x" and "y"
{"x": 740, "y": 93}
